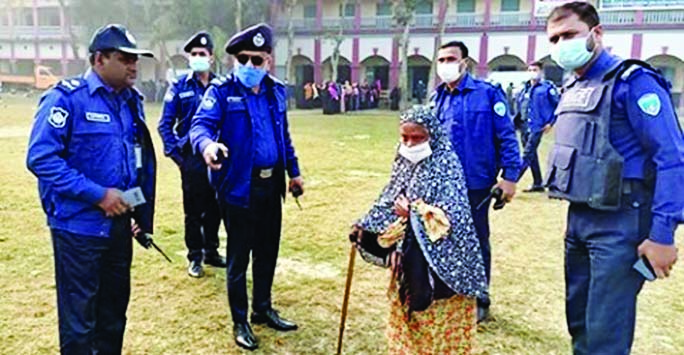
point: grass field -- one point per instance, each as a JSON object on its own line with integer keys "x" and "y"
{"x": 345, "y": 162}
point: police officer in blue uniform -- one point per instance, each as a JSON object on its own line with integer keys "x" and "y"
{"x": 202, "y": 215}
{"x": 536, "y": 103}
{"x": 475, "y": 113}
{"x": 243, "y": 118}
{"x": 89, "y": 143}
{"x": 619, "y": 160}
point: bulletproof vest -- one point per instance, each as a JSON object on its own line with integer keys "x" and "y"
{"x": 583, "y": 166}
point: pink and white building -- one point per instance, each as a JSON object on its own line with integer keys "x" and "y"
{"x": 502, "y": 35}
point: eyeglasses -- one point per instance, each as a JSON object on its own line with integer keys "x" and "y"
{"x": 244, "y": 58}
{"x": 447, "y": 59}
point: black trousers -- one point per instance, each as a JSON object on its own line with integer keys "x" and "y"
{"x": 93, "y": 279}
{"x": 202, "y": 214}
{"x": 253, "y": 231}
{"x": 481, "y": 221}
{"x": 530, "y": 159}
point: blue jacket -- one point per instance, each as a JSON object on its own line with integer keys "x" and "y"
{"x": 475, "y": 115}
{"x": 543, "y": 102}
{"x": 180, "y": 104}
{"x": 225, "y": 115}
{"x": 645, "y": 130}
{"x": 82, "y": 142}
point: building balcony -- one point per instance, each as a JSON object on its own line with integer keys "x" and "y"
{"x": 511, "y": 19}
{"x": 31, "y": 32}
{"x": 660, "y": 17}
{"x": 379, "y": 22}
{"x": 464, "y": 20}
{"x": 621, "y": 4}
{"x": 618, "y": 18}
{"x": 333, "y": 23}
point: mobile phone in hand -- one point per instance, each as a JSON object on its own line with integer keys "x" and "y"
{"x": 643, "y": 266}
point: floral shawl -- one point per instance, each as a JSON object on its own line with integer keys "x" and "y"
{"x": 439, "y": 181}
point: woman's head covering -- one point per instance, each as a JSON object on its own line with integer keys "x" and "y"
{"x": 439, "y": 181}
{"x": 422, "y": 115}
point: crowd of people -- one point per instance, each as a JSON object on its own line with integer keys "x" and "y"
{"x": 344, "y": 97}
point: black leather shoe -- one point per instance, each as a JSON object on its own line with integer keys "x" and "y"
{"x": 195, "y": 269}
{"x": 215, "y": 261}
{"x": 273, "y": 320}
{"x": 482, "y": 314}
{"x": 244, "y": 337}
{"x": 534, "y": 188}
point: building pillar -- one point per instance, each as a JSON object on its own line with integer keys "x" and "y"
{"x": 394, "y": 65}
{"x": 531, "y": 48}
{"x": 355, "y": 42}
{"x": 488, "y": 13}
{"x": 318, "y": 69}
{"x": 36, "y": 43}
{"x": 482, "y": 68}
{"x": 10, "y": 22}
{"x": 637, "y": 38}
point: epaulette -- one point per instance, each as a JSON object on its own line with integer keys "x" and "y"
{"x": 219, "y": 80}
{"x": 70, "y": 85}
{"x": 275, "y": 80}
{"x": 626, "y": 68}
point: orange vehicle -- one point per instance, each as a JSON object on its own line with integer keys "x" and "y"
{"x": 42, "y": 79}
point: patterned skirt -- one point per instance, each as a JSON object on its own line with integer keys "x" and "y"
{"x": 447, "y": 327}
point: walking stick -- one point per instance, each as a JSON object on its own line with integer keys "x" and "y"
{"x": 345, "y": 302}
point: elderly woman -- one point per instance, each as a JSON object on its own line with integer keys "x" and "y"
{"x": 421, "y": 228}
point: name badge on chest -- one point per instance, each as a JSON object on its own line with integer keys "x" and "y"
{"x": 98, "y": 117}
{"x": 578, "y": 98}
{"x": 186, "y": 94}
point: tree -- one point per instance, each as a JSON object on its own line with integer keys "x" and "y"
{"x": 402, "y": 14}
{"x": 337, "y": 39}
{"x": 289, "y": 5}
{"x": 438, "y": 42}
{"x": 73, "y": 38}
{"x": 238, "y": 14}
{"x": 162, "y": 30}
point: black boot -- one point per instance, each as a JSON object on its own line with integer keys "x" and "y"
{"x": 273, "y": 320}
{"x": 244, "y": 337}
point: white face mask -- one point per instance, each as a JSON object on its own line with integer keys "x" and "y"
{"x": 534, "y": 75}
{"x": 449, "y": 72}
{"x": 416, "y": 153}
{"x": 199, "y": 64}
{"x": 572, "y": 53}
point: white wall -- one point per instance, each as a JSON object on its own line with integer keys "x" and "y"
{"x": 382, "y": 43}
{"x": 654, "y": 41}
{"x": 24, "y": 50}
{"x": 619, "y": 42}
{"x": 5, "y": 50}
{"x": 51, "y": 51}
{"x": 516, "y": 43}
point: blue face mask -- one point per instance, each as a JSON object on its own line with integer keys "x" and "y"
{"x": 248, "y": 75}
